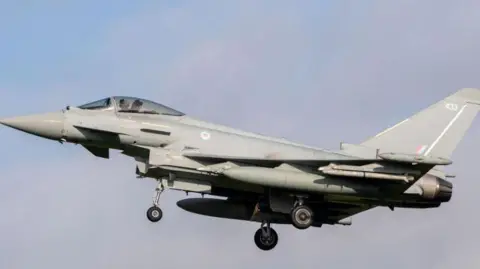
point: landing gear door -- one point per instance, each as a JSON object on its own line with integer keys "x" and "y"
{"x": 281, "y": 203}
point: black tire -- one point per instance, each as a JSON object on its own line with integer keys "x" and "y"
{"x": 266, "y": 243}
{"x": 154, "y": 214}
{"x": 302, "y": 217}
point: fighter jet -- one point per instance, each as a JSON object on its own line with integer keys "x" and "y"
{"x": 267, "y": 180}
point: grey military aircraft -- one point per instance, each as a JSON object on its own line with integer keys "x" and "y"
{"x": 268, "y": 180}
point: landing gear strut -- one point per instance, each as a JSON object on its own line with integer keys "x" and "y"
{"x": 266, "y": 238}
{"x": 301, "y": 215}
{"x": 154, "y": 213}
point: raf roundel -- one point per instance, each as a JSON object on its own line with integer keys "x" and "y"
{"x": 205, "y": 135}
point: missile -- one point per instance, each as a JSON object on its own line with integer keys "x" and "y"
{"x": 299, "y": 181}
{"x": 362, "y": 174}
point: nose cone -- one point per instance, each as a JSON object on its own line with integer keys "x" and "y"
{"x": 49, "y": 125}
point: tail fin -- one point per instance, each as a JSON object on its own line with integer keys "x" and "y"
{"x": 435, "y": 131}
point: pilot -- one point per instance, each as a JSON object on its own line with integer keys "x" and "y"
{"x": 137, "y": 104}
{"x": 123, "y": 104}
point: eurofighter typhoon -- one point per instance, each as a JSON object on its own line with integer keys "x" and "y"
{"x": 268, "y": 180}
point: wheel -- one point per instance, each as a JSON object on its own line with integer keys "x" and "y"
{"x": 264, "y": 241}
{"x": 154, "y": 214}
{"x": 302, "y": 217}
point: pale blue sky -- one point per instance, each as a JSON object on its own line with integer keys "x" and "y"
{"x": 317, "y": 72}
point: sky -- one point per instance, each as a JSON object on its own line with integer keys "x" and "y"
{"x": 315, "y": 72}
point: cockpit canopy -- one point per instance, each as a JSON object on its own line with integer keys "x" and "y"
{"x": 104, "y": 104}
{"x": 122, "y": 104}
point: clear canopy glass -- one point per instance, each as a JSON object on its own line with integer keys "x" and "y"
{"x": 98, "y": 105}
{"x": 125, "y": 104}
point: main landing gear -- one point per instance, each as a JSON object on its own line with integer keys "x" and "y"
{"x": 154, "y": 213}
{"x": 301, "y": 215}
{"x": 266, "y": 238}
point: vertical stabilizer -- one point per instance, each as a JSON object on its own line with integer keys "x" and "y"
{"x": 435, "y": 131}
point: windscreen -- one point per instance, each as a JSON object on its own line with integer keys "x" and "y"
{"x": 98, "y": 105}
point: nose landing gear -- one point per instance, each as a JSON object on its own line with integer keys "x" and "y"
{"x": 154, "y": 213}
